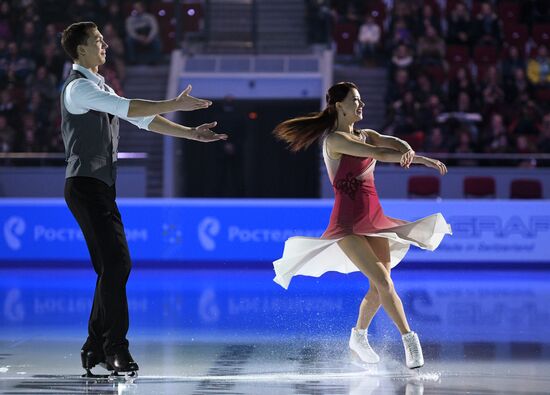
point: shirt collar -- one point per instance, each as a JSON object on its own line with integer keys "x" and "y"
{"x": 96, "y": 78}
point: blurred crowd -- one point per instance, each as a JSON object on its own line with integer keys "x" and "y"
{"x": 464, "y": 76}
{"x": 33, "y": 65}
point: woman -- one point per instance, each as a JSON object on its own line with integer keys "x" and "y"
{"x": 359, "y": 236}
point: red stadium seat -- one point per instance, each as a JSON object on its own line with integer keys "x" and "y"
{"x": 450, "y": 6}
{"x": 486, "y": 54}
{"x": 345, "y": 35}
{"x": 542, "y": 94}
{"x": 436, "y": 73}
{"x": 516, "y": 35}
{"x": 479, "y": 187}
{"x": 416, "y": 140}
{"x": 476, "y": 9}
{"x": 191, "y": 16}
{"x": 458, "y": 55}
{"x": 164, "y": 13}
{"x": 435, "y": 7}
{"x": 509, "y": 12}
{"x": 481, "y": 71}
{"x": 378, "y": 11}
{"x": 541, "y": 34}
{"x": 526, "y": 189}
{"x": 423, "y": 186}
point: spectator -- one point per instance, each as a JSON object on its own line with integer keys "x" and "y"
{"x": 487, "y": 26}
{"x": 51, "y": 36}
{"x": 459, "y": 26}
{"x": 52, "y": 60}
{"x": 436, "y": 141}
{"x": 428, "y": 18}
{"x": 6, "y": 21}
{"x": 425, "y": 89}
{"x": 512, "y": 61}
{"x": 495, "y": 138}
{"x": 28, "y": 41}
{"x": 399, "y": 86}
{"x": 538, "y": 69}
{"x": 28, "y": 13}
{"x": 8, "y": 107}
{"x": 464, "y": 145}
{"x": 535, "y": 11}
{"x": 113, "y": 16}
{"x": 544, "y": 138}
{"x": 430, "y": 112}
{"x": 431, "y": 47}
{"x": 401, "y": 59}
{"x": 401, "y": 34}
{"x": 29, "y": 140}
{"x": 18, "y": 66}
{"x": 524, "y": 145}
{"x": 518, "y": 89}
{"x": 43, "y": 83}
{"x": 369, "y": 38}
{"x": 81, "y": 10}
{"x": 462, "y": 82}
{"x": 7, "y": 135}
{"x": 493, "y": 95}
{"x": 41, "y": 109}
{"x": 142, "y": 36}
{"x": 528, "y": 121}
{"x": 404, "y": 114}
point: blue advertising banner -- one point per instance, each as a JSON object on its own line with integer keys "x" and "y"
{"x": 443, "y": 306}
{"x": 255, "y": 230}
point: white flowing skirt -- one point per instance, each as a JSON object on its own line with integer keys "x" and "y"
{"x": 310, "y": 256}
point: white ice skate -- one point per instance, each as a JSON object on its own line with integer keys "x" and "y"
{"x": 359, "y": 344}
{"x": 413, "y": 350}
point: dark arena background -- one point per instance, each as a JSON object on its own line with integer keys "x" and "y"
{"x": 465, "y": 82}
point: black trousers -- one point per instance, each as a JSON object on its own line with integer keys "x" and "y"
{"x": 92, "y": 203}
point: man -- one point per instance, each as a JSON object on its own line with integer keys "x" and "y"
{"x": 90, "y": 112}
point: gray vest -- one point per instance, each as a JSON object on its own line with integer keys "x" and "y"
{"x": 91, "y": 141}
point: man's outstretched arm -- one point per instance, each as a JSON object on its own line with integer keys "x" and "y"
{"x": 201, "y": 133}
{"x": 184, "y": 102}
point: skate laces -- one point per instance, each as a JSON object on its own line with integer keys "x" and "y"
{"x": 413, "y": 346}
{"x": 364, "y": 341}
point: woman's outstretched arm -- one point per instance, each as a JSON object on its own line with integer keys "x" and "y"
{"x": 341, "y": 143}
{"x": 382, "y": 140}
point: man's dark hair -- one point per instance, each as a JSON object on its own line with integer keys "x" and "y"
{"x": 75, "y": 35}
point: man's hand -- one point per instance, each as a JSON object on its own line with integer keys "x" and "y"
{"x": 189, "y": 103}
{"x": 203, "y": 133}
{"x": 407, "y": 158}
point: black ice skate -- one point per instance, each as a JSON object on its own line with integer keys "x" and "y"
{"x": 122, "y": 362}
{"x": 91, "y": 357}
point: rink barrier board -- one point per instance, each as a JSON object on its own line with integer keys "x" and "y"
{"x": 180, "y": 232}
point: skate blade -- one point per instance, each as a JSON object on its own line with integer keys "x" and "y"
{"x": 357, "y": 361}
{"x": 125, "y": 377}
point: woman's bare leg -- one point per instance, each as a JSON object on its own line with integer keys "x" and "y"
{"x": 359, "y": 250}
{"x": 371, "y": 302}
{"x": 368, "y": 308}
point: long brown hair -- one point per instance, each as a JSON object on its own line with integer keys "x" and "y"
{"x": 303, "y": 131}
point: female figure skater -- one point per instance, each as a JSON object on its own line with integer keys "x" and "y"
{"x": 359, "y": 235}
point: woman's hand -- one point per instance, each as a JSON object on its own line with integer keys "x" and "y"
{"x": 435, "y": 164}
{"x": 407, "y": 158}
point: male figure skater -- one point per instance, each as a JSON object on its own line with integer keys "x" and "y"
{"x": 90, "y": 112}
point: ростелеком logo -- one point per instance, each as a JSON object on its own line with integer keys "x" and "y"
{"x": 14, "y": 227}
{"x": 208, "y": 228}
